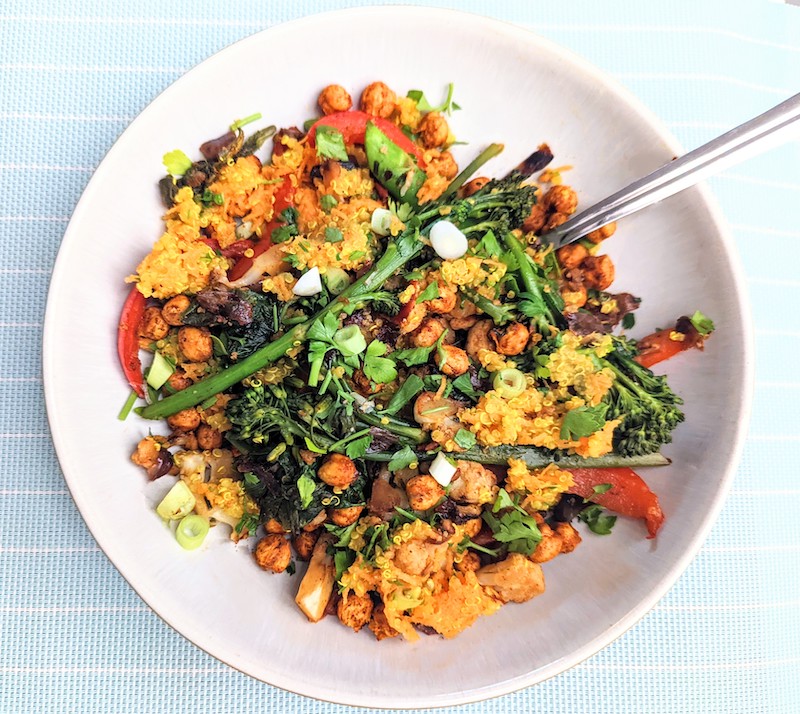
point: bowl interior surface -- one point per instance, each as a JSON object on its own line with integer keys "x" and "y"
{"x": 514, "y": 88}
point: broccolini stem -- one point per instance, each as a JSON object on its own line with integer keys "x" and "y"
{"x": 488, "y": 153}
{"x": 500, "y": 314}
{"x": 394, "y": 426}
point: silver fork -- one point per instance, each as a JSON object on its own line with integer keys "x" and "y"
{"x": 767, "y": 130}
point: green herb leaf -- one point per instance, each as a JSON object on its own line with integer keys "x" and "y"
{"x": 327, "y": 203}
{"x": 515, "y": 528}
{"x": 429, "y": 293}
{"x": 447, "y": 106}
{"x": 408, "y": 390}
{"x": 463, "y": 384}
{"x": 489, "y": 245}
{"x": 333, "y": 235}
{"x": 176, "y": 162}
{"x": 311, "y": 446}
{"x": 531, "y": 305}
{"x": 703, "y": 324}
{"x": 306, "y": 486}
{"x": 465, "y": 439}
{"x": 598, "y": 522}
{"x": 602, "y": 487}
{"x": 402, "y": 459}
{"x": 376, "y": 367}
{"x": 413, "y": 355}
{"x": 583, "y": 421}
{"x": 330, "y": 143}
{"x": 628, "y": 321}
{"x": 358, "y": 447}
{"x": 342, "y": 560}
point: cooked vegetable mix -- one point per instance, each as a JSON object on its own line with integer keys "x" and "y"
{"x": 374, "y": 363}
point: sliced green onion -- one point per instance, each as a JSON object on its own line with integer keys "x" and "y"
{"x": 192, "y": 531}
{"x": 159, "y": 371}
{"x": 239, "y": 123}
{"x": 350, "y": 341}
{"x": 509, "y": 383}
{"x": 126, "y": 408}
{"x": 336, "y": 280}
{"x": 178, "y": 503}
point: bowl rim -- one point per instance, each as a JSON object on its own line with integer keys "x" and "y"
{"x": 306, "y": 687}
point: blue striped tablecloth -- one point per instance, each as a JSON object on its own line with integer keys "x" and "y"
{"x": 75, "y": 638}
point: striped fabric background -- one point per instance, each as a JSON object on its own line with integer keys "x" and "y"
{"x": 75, "y": 638}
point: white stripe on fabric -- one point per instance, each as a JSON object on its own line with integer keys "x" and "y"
{"x": 42, "y": 550}
{"x": 122, "y": 69}
{"x": 73, "y": 609}
{"x": 66, "y": 117}
{"x": 54, "y": 219}
{"x": 20, "y": 324}
{"x": 44, "y": 167}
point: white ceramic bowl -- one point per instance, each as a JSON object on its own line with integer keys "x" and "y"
{"x": 514, "y": 88}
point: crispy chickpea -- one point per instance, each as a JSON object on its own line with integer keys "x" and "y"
{"x": 338, "y": 471}
{"x": 334, "y": 98}
{"x": 571, "y": 256}
{"x": 469, "y": 562}
{"x": 346, "y": 516}
{"x": 377, "y": 99}
{"x": 561, "y": 199}
{"x": 380, "y": 626}
{"x": 554, "y": 220}
{"x": 574, "y": 297}
{"x": 433, "y": 130}
{"x": 535, "y": 221}
{"x": 444, "y": 165}
{"x": 146, "y": 454}
{"x": 511, "y": 339}
{"x": 273, "y": 525}
{"x": 355, "y": 611}
{"x": 603, "y": 232}
{"x": 570, "y": 538}
{"x": 463, "y": 316}
{"x": 423, "y": 492}
{"x": 273, "y": 553}
{"x": 178, "y": 380}
{"x": 195, "y": 343}
{"x": 304, "y": 544}
{"x": 153, "y": 325}
{"x": 451, "y": 361}
{"x": 478, "y": 338}
{"x": 598, "y": 271}
{"x": 184, "y": 420}
{"x": 473, "y": 186}
{"x": 548, "y": 547}
{"x": 208, "y": 437}
{"x": 428, "y": 332}
{"x": 174, "y": 308}
{"x": 446, "y": 301}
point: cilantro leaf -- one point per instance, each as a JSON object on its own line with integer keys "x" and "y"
{"x": 176, "y": 162}
{"x": 358, "y": 447}
{"x": 583, "y": 421}
{"x": 333, "y": 235}
{"x": 531, "y": 305}
{"x": 376, "y": 367}
{"x": 463, "y": 384}
{"x": 489, "y": 245}
{"x": 465, "y": 439}
{"x": 447, "y": 106}
{"x": 402, "y": 459}
{"x": 327, "y": 202}
{"x": 703, "y": 324}
{"x": 429, "y": 293}
{"x": 306, "y": 486}
{"x": 330, "y": 143}
{"x": 413, "y": 355}
{"x": 598, "y": 522}
{"x": 408, "y": 390}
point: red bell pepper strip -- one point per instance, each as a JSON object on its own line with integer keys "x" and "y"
{"x": 128, "y": 339}
{"x": 284, "y": 197}
{"x": 353, "y": 126}
{"x": 628, "y": 495}
{"x": 663, "y": 344}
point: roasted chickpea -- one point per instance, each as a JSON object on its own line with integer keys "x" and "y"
{"x": 423, "y": 492}
{"x": 548, "y": 547}
{"x": 354, "y": 610}
{"x": 380, "y": 626}
{"x": 153, "y": 325}
{"x": 570, "y": 538}
{"x": 184, "y": 420}
{"x": 572, "y": 255}
{"x": 334, "y": 98}
{"x": 174, "y": 308}
{"x": 511, "y": 339}
{"x": 195, "y": 343}
{"x": 146, "y": 454}
{"x": 603, "y": 232}
{"x": 428, "y": 332}
{"x": 561, "y": 199}
{"x": 304, "y": 544}
{"x": 433, "y": 130}
{"x": 338, "y": 471}
{"x": 469, "y": 562}
{"x": 598, "y": 272}
{"x": 346, "y": 516}
{"x": 178, "y": 380}
{"x": 554, "y": 220}
{"x": 473, "y": 186}
{"x": 273, "y": 525}
{"x": 478, "y": 338}
{"x": 377, "y": 99}
{"x": 451, "y": 361}
{"x": 463, "y": 316}
{"x": 273, "y": 553}
{"x": 574, "y": 296}
{"x": 208, "y": 437}
{"x": 473, "y": 526}
{"x": 446, "y": 301}
{"x": 535, "y": 221}
{"x": 444, "y": 165}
